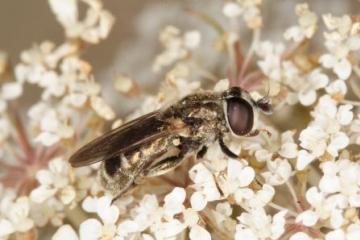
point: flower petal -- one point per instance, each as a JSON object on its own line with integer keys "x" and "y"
{"x": 90, "y": 229}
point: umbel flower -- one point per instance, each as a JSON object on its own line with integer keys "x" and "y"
{"x": 298, "y": 179}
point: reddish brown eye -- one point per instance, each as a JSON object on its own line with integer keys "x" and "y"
{"x": 240, "y": 116}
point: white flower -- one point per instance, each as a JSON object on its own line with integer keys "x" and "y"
{"x": 314, "y": 81}
{"x": 101, "y": 108}
{"x": 304, "y": 159}
{"x": 313, "y": 138}
{"x": 262, "y": 197}
{"x": 12, "y": 90}
{"x": 279, "y": 172}
{"x": 67, "y": 84}
{"x": 340, "y": 42}
{"x": 93, "y": 228}
{"x": 330, "y": 182}
{"x": 127, "y": 227}
{"x": 232, "y": 9}
{"x": 315, "y": 197}
{"x": 265, "y": 149}
{"x": 192, "y": 39}
{"x": 247, "y": 198}
{"x": 6, "y": 228}
{"x": 224, "y": 208}
{"x": 53, "y": 124}
{"x": 174, "y": 202}
{"x": 344, "y": 174}
{"x": 161, "y": 221}
{"x": 222, "y": 85}
{"x": 50, "y": 211}
{"x": 9, "y": 91}
{"x": 289, "y": 148}
{"x": 341, "y": 66}
{"x": 353, "y": 232}
{"x": 177, "y": 46}
{"x": 338, "y": 141}
{"x": 248, "y": 9}
{"x": 16, "y": 217}
{"x": 191, "y": 217}
{"x": 271, "y": 64}
{"x": 216, "y": 160}
{"x": 300, "y": 236}
{"x": 239, "y": 175}
{"x": 326, "y": 207}
{"x": 307, "y": 24}
{"x": 55, "y": 181}
{"x": 168, "y": 229}
{"x": 125, "y": 85}
{"x": 198, "y": 201}
{"x": 337, "y": 88}
{"x": 257, "y": 225}
{"x": 65, "y": 232}
{"x": 66, "y": 11}
{"x": 307, "y": 218}
{"x": 345, "y": 115}
{"x": 324, "y": 133}
{"x": 204, "y": 182}
{"x": 145, "y": 215}
{"x": 335, "y": 235}
{"x": 95, "y": 26}
{"x": 286, "y": 80}
{"x": 198, "y": 232}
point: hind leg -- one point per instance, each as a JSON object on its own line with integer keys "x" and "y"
{"x": 186, "y": 146}
{"x": 163, "y": 166}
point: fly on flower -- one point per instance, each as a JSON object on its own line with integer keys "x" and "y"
{"x": 157, "y": 142}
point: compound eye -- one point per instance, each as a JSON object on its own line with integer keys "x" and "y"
{"x": 240, "y": 116}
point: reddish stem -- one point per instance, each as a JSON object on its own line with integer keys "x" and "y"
{"x": 252, "y": 80}
{"x": 22, "y": 136}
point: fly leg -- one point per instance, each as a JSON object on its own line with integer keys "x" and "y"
{"x": 186, "y": 146}
{"x": 163, "y": 166}
{"x": 202, "y": 152}
{"x": 257, "y": 132}
{"x": 225, "y": 149}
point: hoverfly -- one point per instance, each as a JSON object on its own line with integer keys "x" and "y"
{"x": 157, "y": 142}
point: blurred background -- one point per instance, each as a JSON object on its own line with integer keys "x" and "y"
{"x": 133, "y": 42}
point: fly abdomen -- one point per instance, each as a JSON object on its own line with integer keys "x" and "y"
{"x": 112, "y": 165}
{"x": 114, "y": 177}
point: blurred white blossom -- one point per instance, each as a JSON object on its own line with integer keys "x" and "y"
{"x": 54, "y": 182}
{"x": 307, "y": 24}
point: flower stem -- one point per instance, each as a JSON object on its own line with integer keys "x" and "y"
{"x": 248, "y": 58}
{"x": 354, "y": 103}
{"x": 280, "y": 208}
{"x": 293, "y": 195}
{"x": 21, "y": 135}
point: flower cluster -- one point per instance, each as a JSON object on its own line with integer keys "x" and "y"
{"x": 298, "y": 179}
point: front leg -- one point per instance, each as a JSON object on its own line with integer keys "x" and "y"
{"x": 256, "y": 132}
{"x": 225, "y": 148}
